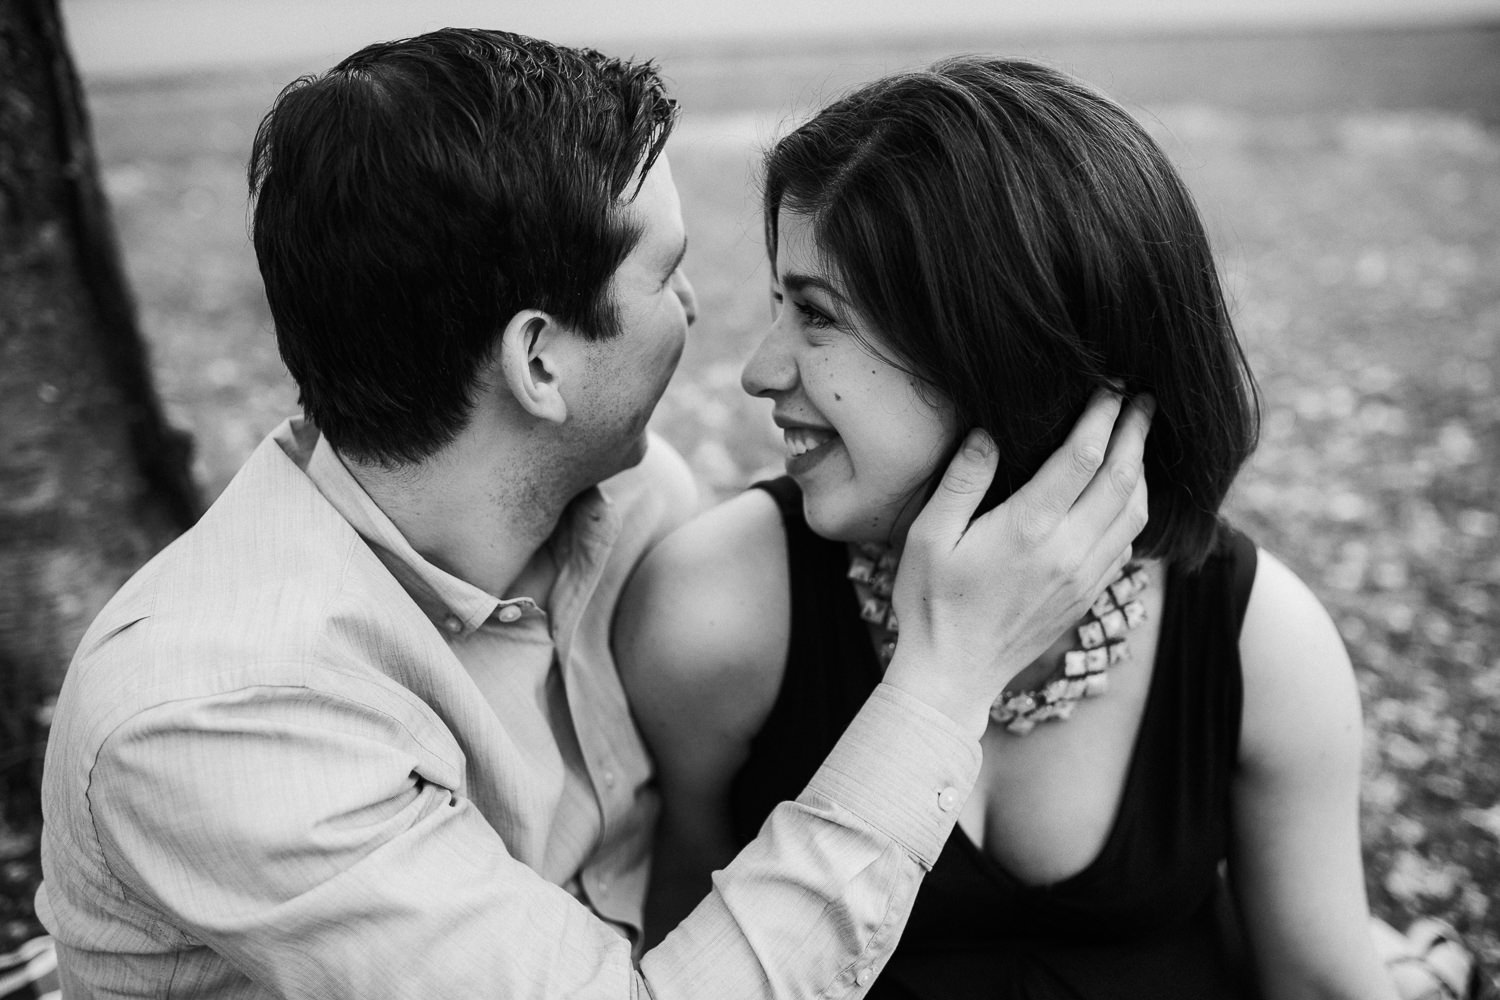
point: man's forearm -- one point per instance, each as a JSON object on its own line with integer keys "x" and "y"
{"x": 815, "y": 904}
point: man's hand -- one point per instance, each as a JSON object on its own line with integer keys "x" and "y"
{"x": 979, "y": 600}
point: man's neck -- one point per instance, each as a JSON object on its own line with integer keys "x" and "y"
{"x": 465, "y": 516}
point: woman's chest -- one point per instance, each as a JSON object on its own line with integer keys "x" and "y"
{"x": 1047, "y": 801}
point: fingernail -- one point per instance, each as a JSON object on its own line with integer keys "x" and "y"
{"x": 1147, "y": 402}
{"x": 979, "y": 444}
{"x": 1114, "y": 385}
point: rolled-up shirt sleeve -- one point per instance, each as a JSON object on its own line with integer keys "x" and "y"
{"x": 324, "y": 849}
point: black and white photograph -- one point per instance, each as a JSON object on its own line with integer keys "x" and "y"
{"x": 641, "y": 498}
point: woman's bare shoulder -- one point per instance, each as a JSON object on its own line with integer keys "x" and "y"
{"x": 1300, "y": 691}
{"x": 704, "y": 623}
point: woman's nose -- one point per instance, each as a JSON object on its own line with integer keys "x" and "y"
{"x": 771, "y": 368}
{"x": 685, "y": 294}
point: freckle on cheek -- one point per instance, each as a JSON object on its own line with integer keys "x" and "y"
{"x": 837, "y": 398}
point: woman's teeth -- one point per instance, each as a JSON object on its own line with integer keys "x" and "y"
{"x": 800, "y": 440}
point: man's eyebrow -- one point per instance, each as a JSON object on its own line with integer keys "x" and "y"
{"x": 795, "y": 281}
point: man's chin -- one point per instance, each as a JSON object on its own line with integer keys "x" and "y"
{"x": 627, "y": 456}
{"x": 634, "y": 452}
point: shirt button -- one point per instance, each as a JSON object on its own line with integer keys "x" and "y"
{"x": 452, "y": 624}
{"x": 865, "y": 975}
{"x": 609, "y": 779}
{"x": 509, "y": 613}
{"x": 948, "y": 799}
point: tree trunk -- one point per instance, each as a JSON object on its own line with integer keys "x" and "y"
{"x": 92, "y": 480}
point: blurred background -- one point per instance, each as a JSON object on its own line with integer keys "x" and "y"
{"x": 1346, "y": 154}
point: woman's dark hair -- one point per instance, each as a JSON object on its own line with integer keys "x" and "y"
{"x": 410, "y": 201}
{"x": 1017, "y": 241}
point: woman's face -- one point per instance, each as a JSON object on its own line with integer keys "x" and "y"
{"x": 862, "y": 437}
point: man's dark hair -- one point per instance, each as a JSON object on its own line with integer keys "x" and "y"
{"x": 1016, "y": 241}
{"x": 411, "y": 200}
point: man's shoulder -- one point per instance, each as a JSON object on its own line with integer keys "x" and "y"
{"x": 269, "y": 528}
{"x": 262, "y": 588}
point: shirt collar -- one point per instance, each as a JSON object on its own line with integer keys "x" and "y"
{"x": 452, "y": 604}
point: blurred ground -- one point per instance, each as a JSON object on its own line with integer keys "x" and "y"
{"x": 1352, "y": 182}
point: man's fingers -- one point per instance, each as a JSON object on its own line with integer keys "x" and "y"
{"x": 1067, "y": 472}
{"x": 1114, "y": 507}
{"x": 1119, "y": 483}
{"x": 963, "y": 486}
{"x": 1119, "y": 536}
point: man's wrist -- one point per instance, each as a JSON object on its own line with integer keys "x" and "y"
{"x": 967, "y": 705}
{"x": 904, "y": 767}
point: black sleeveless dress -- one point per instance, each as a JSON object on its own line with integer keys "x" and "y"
{"x": 1147, "y": 918}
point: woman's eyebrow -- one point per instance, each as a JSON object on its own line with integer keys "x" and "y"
{"x": 796, "y": 281}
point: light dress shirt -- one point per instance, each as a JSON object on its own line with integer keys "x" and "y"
{"x": 293, "y": 758}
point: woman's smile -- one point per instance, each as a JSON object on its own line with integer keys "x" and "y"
{"x": 806, "y": 447}
{"x": 801, "y": 440}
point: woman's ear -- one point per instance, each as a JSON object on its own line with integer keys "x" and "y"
{"x": 530, "y": 363}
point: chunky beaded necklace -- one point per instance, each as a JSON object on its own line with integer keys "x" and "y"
{"x": 1038, "y": 693}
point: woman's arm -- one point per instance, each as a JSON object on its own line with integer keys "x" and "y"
{"x": 701, "y": 638}
{"x": 1295, "y": 864}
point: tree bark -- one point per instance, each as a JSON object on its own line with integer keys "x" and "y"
{"x": 92, "y": 480}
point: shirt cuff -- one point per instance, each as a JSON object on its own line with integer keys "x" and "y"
{"x": 904, "y": 768}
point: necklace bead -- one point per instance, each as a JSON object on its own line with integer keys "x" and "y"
{"x": 1102, "y": 641}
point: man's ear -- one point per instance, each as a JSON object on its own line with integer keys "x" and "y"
{"x": 530, "y": 363}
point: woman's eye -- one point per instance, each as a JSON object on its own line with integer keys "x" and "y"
{"x": 808, "y": 315}
{"x": 813, "y": 316}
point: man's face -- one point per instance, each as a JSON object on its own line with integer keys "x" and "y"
{"x": 654, "y": 303}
